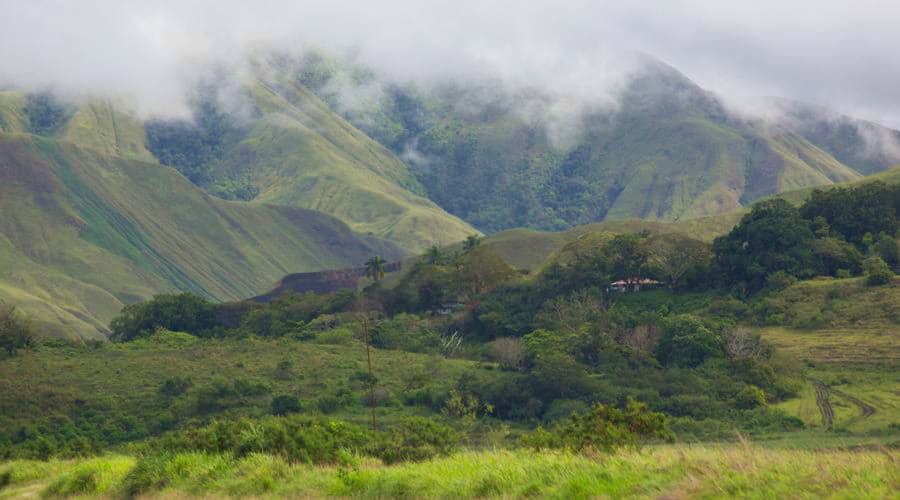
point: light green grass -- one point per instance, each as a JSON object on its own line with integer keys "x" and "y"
{"x": 744, "y": 471}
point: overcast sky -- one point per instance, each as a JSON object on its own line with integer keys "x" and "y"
{"x": 840, "y": 54}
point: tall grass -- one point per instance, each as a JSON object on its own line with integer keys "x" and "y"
{"x": 741, "y": 470}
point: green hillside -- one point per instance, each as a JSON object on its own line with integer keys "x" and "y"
{"x": 299, "y": 153}
{"x": 84, "y": 232}
{"x": 670, "y": 151}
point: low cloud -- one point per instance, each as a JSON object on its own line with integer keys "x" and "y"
{"x": 833, "y": 53}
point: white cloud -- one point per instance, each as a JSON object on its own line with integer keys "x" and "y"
{"x": 838, "y": 54}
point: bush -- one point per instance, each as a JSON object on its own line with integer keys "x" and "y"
{"x": 415, "y": 439}
{"x": 183, "y": 312}
{"x": 297, "y": 439}
{"x": 509, "y": 352}
{"x": 175, "y": 386}
{"x": 562, "y": 409}
{"x": 750, "y": 397}
{"x": 779, "y": 280}
{"x": 606, "y": 428}
{"x": 328, "y": 404}
{"x": 687, "y": 341}
{"x": 877, "y": 272}
{"x": 282, "y": 405}
{"x": 16, "y": 331}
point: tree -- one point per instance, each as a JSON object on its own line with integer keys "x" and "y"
{"x": 687, "y": 341}
{"x": 471, "y": 242}
{"x": 433, "y": 255}
{"x": 184, "y": 312}
{"x": 627, "y": 257}
{"x": 676, "y": 257}
{"x": 282, "y": 405}
{"x": 772, "y": 237}
{"x": 886, "y": 247}
{"x": 16, "y": 330}
{"x": 853, "y": 212}
{"x": 482, "y": 269}
{"x": 375, "y": 268}
{"x": 877, "y": 272}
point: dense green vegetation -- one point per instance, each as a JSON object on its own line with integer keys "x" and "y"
{"x": 828, "y": 235}
{"x": 670, "y": 151}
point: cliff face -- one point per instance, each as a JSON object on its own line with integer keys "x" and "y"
{"x": 328, "y": 281}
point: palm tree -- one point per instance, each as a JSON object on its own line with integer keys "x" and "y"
{"x": 471, "y": 242}
{"x": 433, "y": 255}
{"x": 375, "y": 268}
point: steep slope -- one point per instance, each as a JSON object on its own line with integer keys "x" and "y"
{"x": 299, "y": 153}
{"x": 83, "y": 233}
{"x": 668, "y": 151}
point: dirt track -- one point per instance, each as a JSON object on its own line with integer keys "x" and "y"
{"x": 824, "y": 403}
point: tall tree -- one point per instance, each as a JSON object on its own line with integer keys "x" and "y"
{"x": 772, "y": 237}
{"x": 375, "y": 268}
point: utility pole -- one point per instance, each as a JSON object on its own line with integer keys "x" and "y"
{"x": 371, "y": 375}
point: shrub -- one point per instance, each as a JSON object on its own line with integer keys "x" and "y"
{"x": 415, "y": 439}
{"x": 16, "y": 331}
{"x": 606, "y": 428}
{"x": 509, "y": 352}
{"x": 877, "y": 272}
{"x": 687, "y": 341}
{"x": 561, "y": 409}
{"x": 750, "y": 397}
{"x": 779, "y": 280}
{"x": 328, "y": 404}
{"x": 297, "y": 439}
{"x": 183, "y": 312}
{"x": 175, "y": 386}
{"x": 282, "y": 405}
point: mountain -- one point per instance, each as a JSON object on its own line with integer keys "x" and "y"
{"x": 669, "y": 150}
{"x": 84, "y": 232}
{"x": 273, "y": 141}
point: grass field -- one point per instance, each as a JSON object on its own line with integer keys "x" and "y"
{"x": 659, "y": 472}
{"x": 127, "y": 377}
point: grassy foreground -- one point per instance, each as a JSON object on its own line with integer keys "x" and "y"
{"x": 667, "y": 471}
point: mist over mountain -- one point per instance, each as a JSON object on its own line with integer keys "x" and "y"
{"x": 665, "y": 148}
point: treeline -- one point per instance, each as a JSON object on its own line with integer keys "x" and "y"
{"x": 839, "y": 232}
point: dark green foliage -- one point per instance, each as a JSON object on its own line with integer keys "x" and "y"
{"x": 688, "y": 341}
{"x": 415, "y": 439}
{"x": 175, "y": 386}
{"x": 16, "y": 330}
{"x": 82, "y": 433}
{"x": 772, "y": 237}
{"x": 297, "y": 439}
{"x": 222, "y": 394}
{"x": 606, "y": 428}
{"x": 877, "y": 272}
{"x": 193, "y": 145}
{"x": 835, "y": 255}
{"x": 287, "y": 315}
{"x": 870, "y": 208}
{"x": 887, "y": 248}
{"x": 183, "y": 312}
{"x": 46, "y": 113}
{"x": 282, "y": 405}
